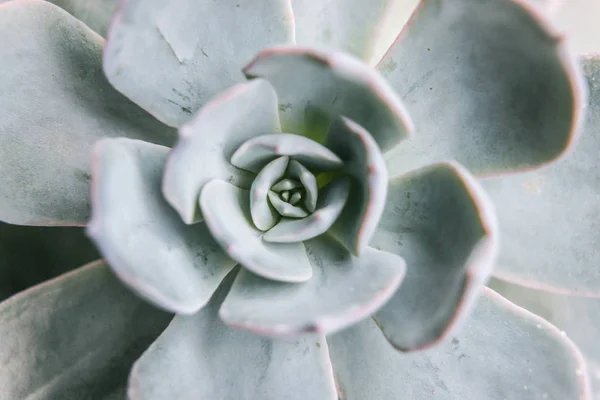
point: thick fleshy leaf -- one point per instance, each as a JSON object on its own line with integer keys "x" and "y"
{"x": 343, "y": 290}
{"x": 285, "y": 209}
{"x": 285, "y": 185}
{"x": 170, "y": 57}
{"x": 364, "y": 163}
{"x": 578, "y": 317}
{"x": 309, "y": 183}
{"x": 30, "y": 255}
{"x": 175, "y": 266}
{"x": 96, "y": 14}
{"x": 549, "y": 219}
{"x": 503, "y": 352}
{"x": 354, "y": 26}
{"x": 207, "y": 143}
{"x": 74, "y": 337}
{"x": 489, "y": 83}
{"x": 263, "y": 216}
{"x": 440, "y": 221}
{"x": 55, "y": 104}
{"x": 199, "y": 357}
{"x": 227, "y": 212}
{"x": 332, "y": 200}
{"x": 295, "y": 198}
{"x": 257, "y": 152}
{"x": 314, "y": 86}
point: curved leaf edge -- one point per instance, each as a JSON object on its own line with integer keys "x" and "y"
{"x": 533, "y": 284}
{"x": 582, "y": 370}
{"x": 571, "y": 67}
{"x": 481, "y": 260}
{"x": 99, "y": 265}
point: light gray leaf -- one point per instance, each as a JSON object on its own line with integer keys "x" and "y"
{"x": 503, "y": 352}
{"x": 343, "y": 290}
{"x": 549, "y": 219}
{"x": 170, "y": 57}
{"x": 227, "y": 212}
{"x": 174, "y": 265}
{"x": 489, "y": 83}
{"x": 199, "y": 357}
{"x": 55, "y": 104}
{"x": 206, "y": 144}
{"x": 441, "y": 222}
{"x": 74, "y": 337}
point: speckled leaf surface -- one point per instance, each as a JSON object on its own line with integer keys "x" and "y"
{"x": 503, "y": 352}
{"x": 343, "y": 290}
{"x": 96, "y": 14}
{"x": 488, "y": 83}
{"x": 56, "y": 104}
{"x": 207, "y": 143}
{"x": 314, "y": 86}
{"x": 175, "y": 266}
{"x": 578, "y": 317}
{"x": 354, "y": 26}
{"x": 199, "y": 357}
{"x": 170, "y": 57}
{"x": 440, "y": 221}
{"x": 550, "y": 219}
{"x": 74, "y": 337}
{"x": 32, "y": 254}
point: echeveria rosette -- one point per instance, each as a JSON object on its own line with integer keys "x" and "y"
{"x": 307, "y": 268}
{"x": 172, "y": 75}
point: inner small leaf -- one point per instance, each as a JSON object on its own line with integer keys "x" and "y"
{"x": 285, "y": 209}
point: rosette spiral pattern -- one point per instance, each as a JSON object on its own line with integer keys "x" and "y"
{"x": 261, "y": 199}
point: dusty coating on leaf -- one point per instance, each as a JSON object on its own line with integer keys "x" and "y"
{"x": 581, "y": 371}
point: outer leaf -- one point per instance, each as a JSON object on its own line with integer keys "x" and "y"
{"x": 578, "y": 317}
{"x": 227, "y": 212}
{"x": 354, "y": 26}
{"x": 343, "y": 290}
{"x": 198, "y": 357}
{"x": 440, "y": 221}
{"x": 489, "y": 84}
{"x": 170, "y": 57}
{"x": 364, "y": 163}
{"x": 55, "y": 104}
{"x": 314, "y": 87}
{"x": 504, "y": 352}
{"x": 30, "y": 255}
{"x": 207, "y": 143}
{"x": 175, "y": 266}
{"x": 96, "y": 14}
{"x": 74, "y": 337}
{"x": 558, "y": 205}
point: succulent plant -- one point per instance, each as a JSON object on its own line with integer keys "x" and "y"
{"x": 266, "y": 185}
